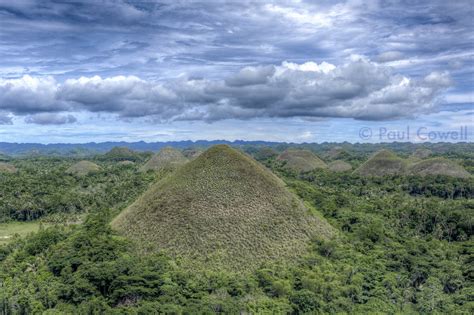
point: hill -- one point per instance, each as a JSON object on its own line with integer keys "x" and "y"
{"x": 382, "y": 163}
{"x": 83, "y": 168}
{"x": 222, "y": 206}
{"x": 301, "y": 160}
{"x": 121, "y": 154}
{"x": 166, "y": 159}
{"x": 438, "y": 166}
{"x": 7, "y": 168}
{"x": 339, "y": 166}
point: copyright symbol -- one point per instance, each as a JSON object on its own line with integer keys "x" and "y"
{"x": 365, "y": 133}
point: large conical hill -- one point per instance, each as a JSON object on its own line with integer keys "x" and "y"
{"x": 224, "y": 208}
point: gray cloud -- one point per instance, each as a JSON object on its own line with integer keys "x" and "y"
{"x": 357, "y": 89}
{"x": 389, "y": 56}
{"x": 5, "y": 119}
{"x": 50, "y": 119}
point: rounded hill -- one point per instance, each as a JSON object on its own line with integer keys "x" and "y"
{"x": 166, "y": 159}
{"x": 301, "y": 160}
{"x": 224, "y": 208}
{"x": 382, "y": 163}
{"x": 121, "y": 154}
{"x": 438, "y": 166}
{"x": 339, "y": 166}
{"x": 83, "y": 168}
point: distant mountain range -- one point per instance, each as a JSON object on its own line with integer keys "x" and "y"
{"x": 93, "y": 148}
{"x": 16, "y": 149}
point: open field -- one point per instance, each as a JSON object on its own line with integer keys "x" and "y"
{"x": 8, "y": 230}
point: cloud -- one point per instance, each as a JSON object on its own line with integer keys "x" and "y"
{"x": 357, "y": 89}
{"x": 5, "y": 119}
{"x": 30, "y": 95}
{"x": 50, "y": 119}
{"x": 389, "y": 56}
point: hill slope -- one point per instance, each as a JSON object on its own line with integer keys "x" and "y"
{"x": 166, "y": 159}
{"x": 382, "y": 163}
{"x": 301, "y": 160}
{"x": 223, "y": 207}
{"x": 83, "y": 168}
{"x": 438, "y": 166}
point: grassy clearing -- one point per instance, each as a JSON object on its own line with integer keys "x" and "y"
{"x": 9, "y": 230}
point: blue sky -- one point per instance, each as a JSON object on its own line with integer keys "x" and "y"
{"x": 301, "y": 71}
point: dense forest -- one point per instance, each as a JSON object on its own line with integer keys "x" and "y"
{"x": 404, "y": 244}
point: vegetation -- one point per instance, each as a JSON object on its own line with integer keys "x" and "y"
{"x": 222, "y": 207}
{"x": 403, "y": 244}
{"x": 165, "y": 160}
{"x": 42, "y": 189}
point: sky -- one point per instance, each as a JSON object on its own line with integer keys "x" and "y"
{"x": 290, "y": 71}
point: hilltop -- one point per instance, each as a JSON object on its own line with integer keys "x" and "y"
{"x": 223, "y": 207}
{"x": 7, "y": 168}
{"x": 166, "y": 159}
{"x": 83, "y": 168}
{"x": 301, "y": 160}
{"x": 438, "y": 166}
{"x": 383, "y": 162}
{"x": 339, "y": 166}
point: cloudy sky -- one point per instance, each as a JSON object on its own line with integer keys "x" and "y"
{"x": 80, "y": 71}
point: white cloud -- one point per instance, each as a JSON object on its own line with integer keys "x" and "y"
{"x": 358, "y": 89}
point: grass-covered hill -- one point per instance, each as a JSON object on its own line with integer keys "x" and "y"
{"x": 438, "y": 166}
{"x": 166, "y": 159}
{"x": 83, "y": 168}
{"x": 339, "y": 166}
{"x": 7, "y": 168}
{"x": 122, "y": 154}
{"x": 383, "y": 162}
{"x": 223, "y": 207}
{"x": 301, "y": 160}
